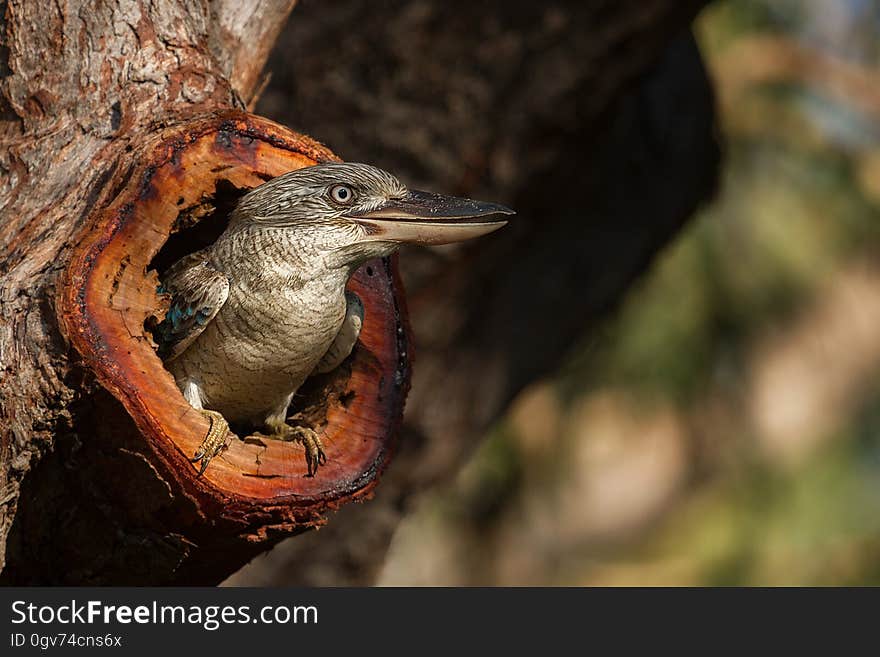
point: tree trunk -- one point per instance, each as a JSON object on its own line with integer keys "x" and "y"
{"x": 124, "y": 149}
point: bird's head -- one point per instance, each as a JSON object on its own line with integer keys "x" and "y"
{"x": 357, "y": 211}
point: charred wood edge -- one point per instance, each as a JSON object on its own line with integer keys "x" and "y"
{"x": 132, "y": 184}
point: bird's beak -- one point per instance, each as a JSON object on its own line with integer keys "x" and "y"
{"x": 426, "y": 218}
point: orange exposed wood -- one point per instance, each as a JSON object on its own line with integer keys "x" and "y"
{"x": 109, "y": 292}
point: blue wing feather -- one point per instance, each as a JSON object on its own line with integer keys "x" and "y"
{"x": 198, "y": 291}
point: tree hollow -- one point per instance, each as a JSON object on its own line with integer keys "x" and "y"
{"x": 174, "y": 200}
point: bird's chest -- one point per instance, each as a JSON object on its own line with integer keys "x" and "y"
{"x": 281, "y": 329}
{"x": 266, "y": 340}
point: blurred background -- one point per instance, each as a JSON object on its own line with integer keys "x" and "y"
{"x": 719, "y": 423}
{"x": 724, "y": 427}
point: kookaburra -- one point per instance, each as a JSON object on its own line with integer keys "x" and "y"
{"x": 256, "y": 313}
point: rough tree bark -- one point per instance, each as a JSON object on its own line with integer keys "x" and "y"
{"x": 539, "y": 99}
{"x": 594, "y": 120}
{"x": 119, "y": 126}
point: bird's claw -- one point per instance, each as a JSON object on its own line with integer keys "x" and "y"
{"x": 214, "y": 442}
{"x": 311, "y": 442}
{"x": 314, "y": 450}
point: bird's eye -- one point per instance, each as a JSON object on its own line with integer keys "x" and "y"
{"x": 341, "y": 193}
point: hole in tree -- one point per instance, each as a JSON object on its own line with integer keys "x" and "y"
{"x": 198, "y": 226}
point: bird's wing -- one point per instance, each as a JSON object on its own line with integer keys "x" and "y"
{"x": 198, "y": 291}
{"x": 347, "y": 337}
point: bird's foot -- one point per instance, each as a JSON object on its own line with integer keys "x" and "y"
{"x": 311, "y": 442}
{"x": 214, "y": 442}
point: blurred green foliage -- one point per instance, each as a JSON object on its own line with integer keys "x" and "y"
{"x": 792, "y": 217}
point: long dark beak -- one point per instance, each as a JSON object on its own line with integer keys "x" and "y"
{"x": 426, "y": 218}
